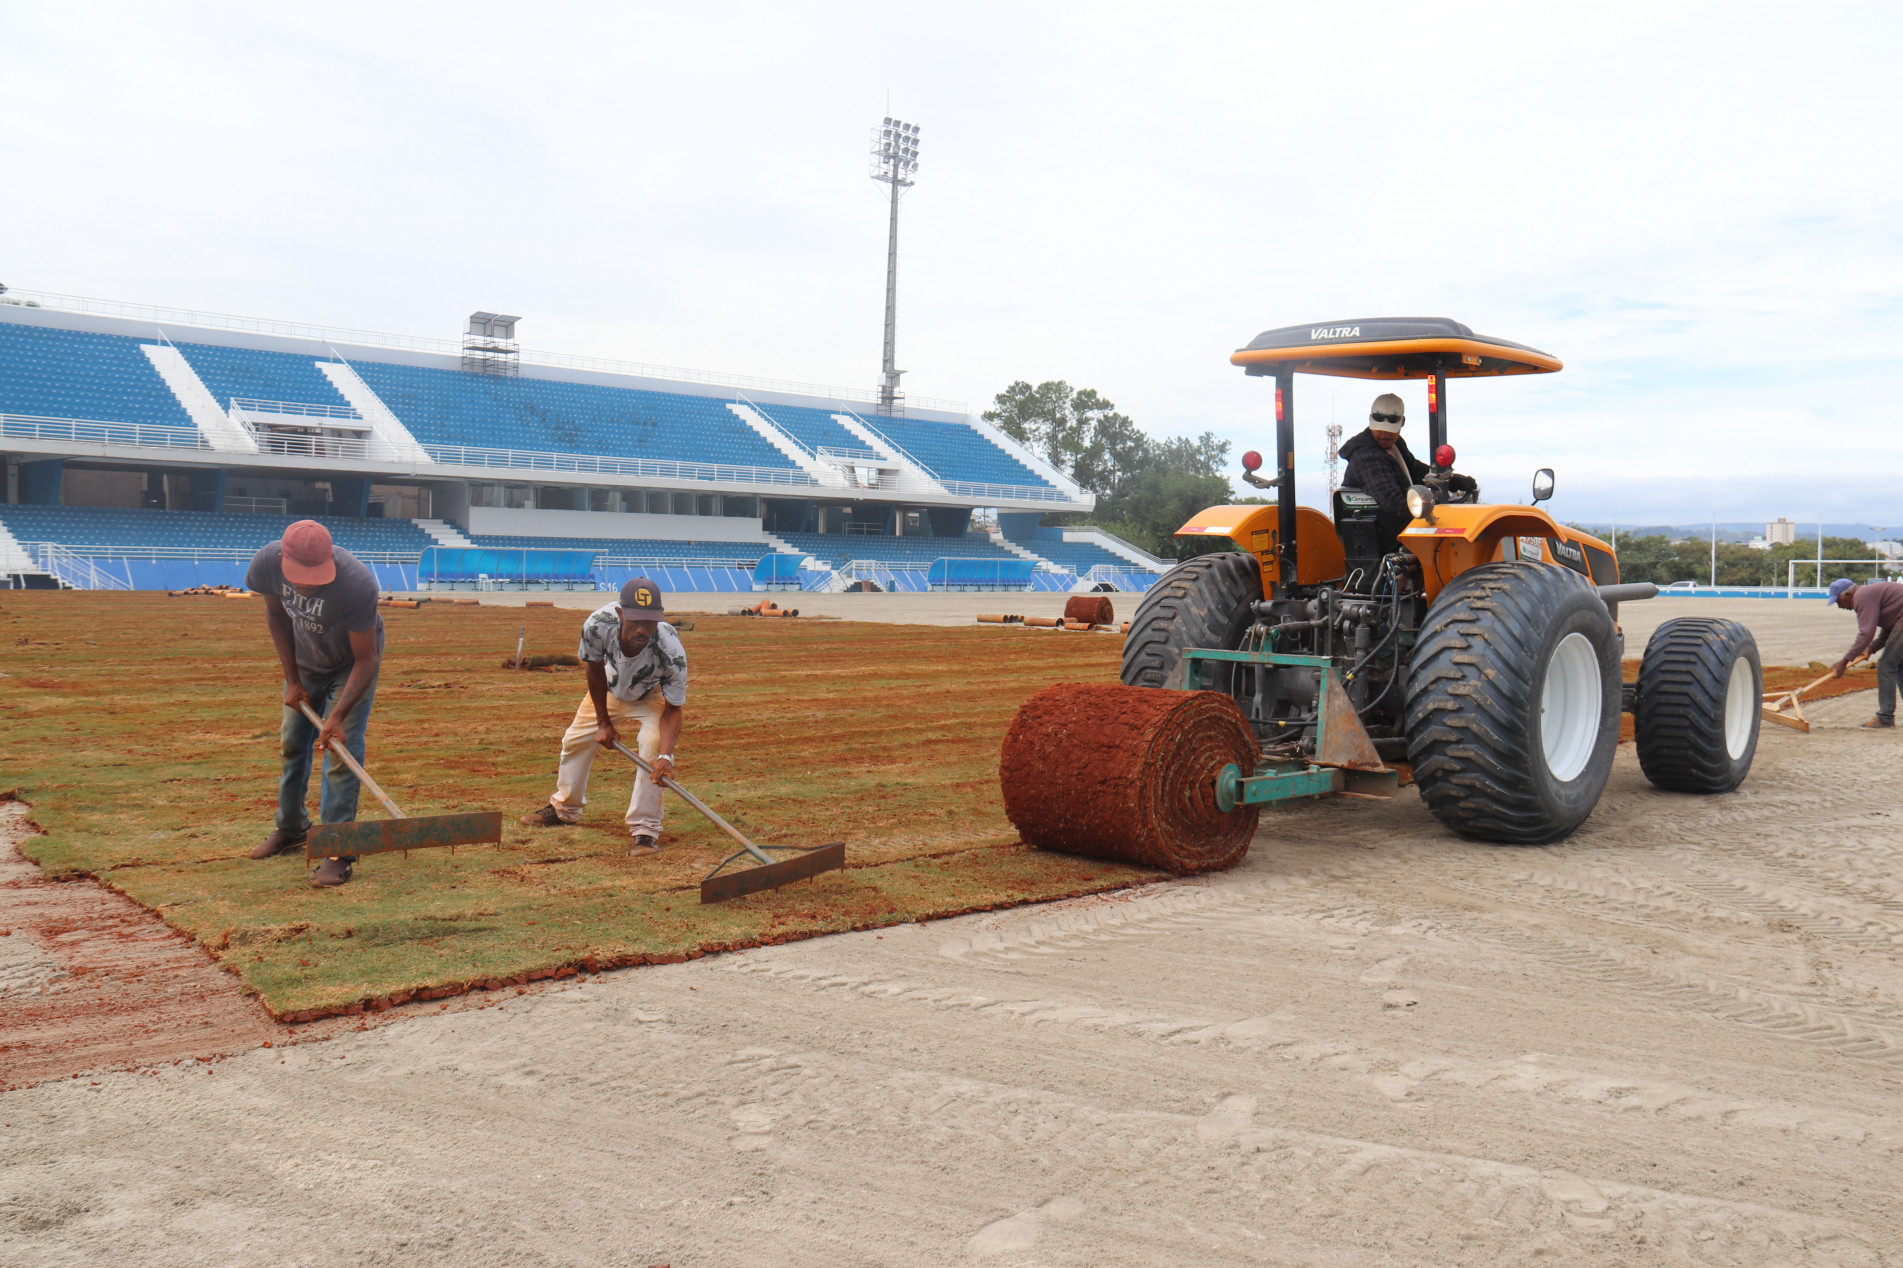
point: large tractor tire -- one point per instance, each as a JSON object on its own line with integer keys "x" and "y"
{"x": 1513, "y": 703}
{"x": 1201, "y": 602}
{"x": 1700, "y": 701}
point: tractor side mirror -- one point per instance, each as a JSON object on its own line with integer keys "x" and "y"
{"x": 1542, "y": 485}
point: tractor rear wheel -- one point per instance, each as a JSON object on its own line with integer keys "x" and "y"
{"x": 1513, "y": 703}
{"x": 1201, "y": 602}
{"x": 1700, "y": 702}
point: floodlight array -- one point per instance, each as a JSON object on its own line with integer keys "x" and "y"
{"x": 895, "y": 151}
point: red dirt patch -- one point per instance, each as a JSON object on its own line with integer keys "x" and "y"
{"x": 90, "y": 980}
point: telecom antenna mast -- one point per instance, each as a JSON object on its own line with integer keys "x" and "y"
{"x": 895, "y": 162}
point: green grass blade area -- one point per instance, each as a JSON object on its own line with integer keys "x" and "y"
{"x": 143, "y": 730}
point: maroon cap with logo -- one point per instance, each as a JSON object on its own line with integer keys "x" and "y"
{"x": 307, "y": 557}
{"x": 641, "y": 600}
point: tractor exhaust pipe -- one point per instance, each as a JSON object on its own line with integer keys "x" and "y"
{"x": 1628, "y": 592}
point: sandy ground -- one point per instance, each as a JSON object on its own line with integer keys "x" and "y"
{"x": 1676, "y": 1038}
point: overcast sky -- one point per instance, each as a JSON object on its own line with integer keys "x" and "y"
{"x": 1694, "y": 205}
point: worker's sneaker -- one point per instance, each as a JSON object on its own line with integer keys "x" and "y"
{"x": 1878, "y": 723}
{"x": 543, "y": 818}
{"x": 644, "y": 845}
{"x": 331, "y": 873}
{"x": 279, "y": 842}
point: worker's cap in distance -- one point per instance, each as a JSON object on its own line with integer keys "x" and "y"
{"x": 1388, "y": 413}
{"x": 641, "y": 600}
{"x": 1837, "y": 588}
{"x": 306, "y": 555}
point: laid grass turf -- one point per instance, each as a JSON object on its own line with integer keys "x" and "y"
{"x": 143, "y": 730}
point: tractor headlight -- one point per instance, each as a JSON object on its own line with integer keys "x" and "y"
{"x": 1420, "y": 502}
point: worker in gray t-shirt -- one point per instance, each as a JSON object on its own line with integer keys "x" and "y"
{"x": 321, "y": 609}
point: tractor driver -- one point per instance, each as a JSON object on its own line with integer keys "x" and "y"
{"x": 1379, "y": 461}
{"x": 1381, "y": 465}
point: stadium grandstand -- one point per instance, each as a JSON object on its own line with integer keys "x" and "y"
{"x": 156, "y": 448}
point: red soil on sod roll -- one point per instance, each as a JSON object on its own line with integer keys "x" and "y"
{"x": 1128, "y": 773}
{"x": 1091, "y": 609}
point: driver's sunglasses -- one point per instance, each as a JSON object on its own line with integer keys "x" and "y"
{"x": 1387, "y": 418}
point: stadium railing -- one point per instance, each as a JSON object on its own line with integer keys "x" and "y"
{"x": 92, "y": 431}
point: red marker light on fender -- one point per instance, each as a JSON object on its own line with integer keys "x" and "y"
{"x": 1444, "y": 456}
{"x": 1252, "y": 461}
{"x": 1278, "y": 402}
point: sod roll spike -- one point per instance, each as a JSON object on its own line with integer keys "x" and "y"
{"x": 519, "y": 636}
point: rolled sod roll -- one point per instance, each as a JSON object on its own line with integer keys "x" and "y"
{"x": 1091, "y": 609}
{"x": 1129, "y": 773}
{"x": 1045, "y": 622}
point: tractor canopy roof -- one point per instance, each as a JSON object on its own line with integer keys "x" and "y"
{"x": 1390, "y": 348}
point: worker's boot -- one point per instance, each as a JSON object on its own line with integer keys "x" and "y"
{"x": 644, "y": 845}
{"x": 1880, "y": 723}
{"x": 279, "y": 842}
{"x": 543, "y": 818}
{"x": 332, "y": 873}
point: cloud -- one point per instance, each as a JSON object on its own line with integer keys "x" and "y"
{"x": 1692, "y": 204}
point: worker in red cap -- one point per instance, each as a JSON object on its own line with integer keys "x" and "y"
{"x": 320, "y": 605}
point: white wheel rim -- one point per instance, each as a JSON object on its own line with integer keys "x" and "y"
{"x": 1570, "y": 702}
{"x": 1741, "y": 706}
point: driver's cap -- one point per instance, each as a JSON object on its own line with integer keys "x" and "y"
{"x": 1837, "y": 588}
{"x": 1388, "y": 413}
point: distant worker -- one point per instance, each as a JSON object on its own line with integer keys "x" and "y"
{"x": 320, "y": 605}
{"x": 1879, "y": 609}
{"x": 637, "y": 672}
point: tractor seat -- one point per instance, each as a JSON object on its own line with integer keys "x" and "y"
{"x": 1367, "y": 535}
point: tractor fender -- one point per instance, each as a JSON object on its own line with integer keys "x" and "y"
{"x": 1464, "y": 537}
{"x": 1318, "y": 553}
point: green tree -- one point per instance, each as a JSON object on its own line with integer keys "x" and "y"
{"x": 1145, "y": 488}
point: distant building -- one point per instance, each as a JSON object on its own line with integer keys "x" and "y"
{"x": 1780, "y": 532}
{"x": 1889, "y": 550}
{"x": 1759, "y": 543}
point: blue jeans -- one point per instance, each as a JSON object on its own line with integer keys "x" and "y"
{"x": 337, "y": 798}
{"x": 1887, "y": 671}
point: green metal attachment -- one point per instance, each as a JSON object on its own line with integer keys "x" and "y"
{"x": 1346, "y": 763}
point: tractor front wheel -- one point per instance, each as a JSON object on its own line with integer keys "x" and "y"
{"x": 1513, "y": 703}
{"x": 1201, "y": 602}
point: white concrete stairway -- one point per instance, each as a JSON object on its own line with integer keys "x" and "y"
{"x": 13, "y": 557}
{"x": 445, "y": 534}
{"x": 384, "y": 423}
{"x": 796, "y": 453}
{"x": 999, "y": 539}
{"x": 218, "y": 428}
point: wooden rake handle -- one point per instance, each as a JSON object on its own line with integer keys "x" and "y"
{"x": 356, "y": 768}
{"x": 693, "y": 801}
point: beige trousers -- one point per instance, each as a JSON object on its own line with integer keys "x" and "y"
{"x": 578, "y": 755}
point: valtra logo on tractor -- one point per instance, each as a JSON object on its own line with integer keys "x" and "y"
{"x": 1477, "y": 642}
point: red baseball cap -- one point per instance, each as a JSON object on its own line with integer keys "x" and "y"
{"x": 306, "y": 556}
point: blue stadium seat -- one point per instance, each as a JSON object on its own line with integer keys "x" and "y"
{"x": 451, "y": 407}
{"x": 634, "y": 548}
{"x": 94, "y": 529}
{"x": 264, "y": 376}
{"x": 74, "y": 374}
{"x": 908, "y": 552}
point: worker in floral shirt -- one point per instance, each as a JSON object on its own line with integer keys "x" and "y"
{"x": 637, "y": 675}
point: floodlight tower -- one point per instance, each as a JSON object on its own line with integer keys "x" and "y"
{"x": 895, "y": 162}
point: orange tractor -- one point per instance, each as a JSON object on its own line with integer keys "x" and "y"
{"x": 1477, "y": 642}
